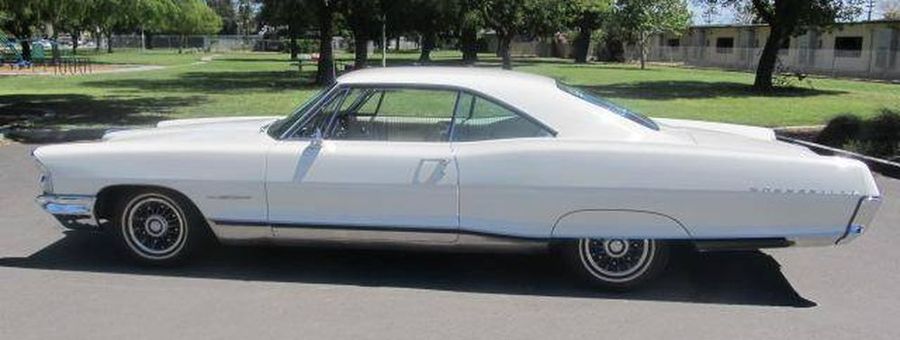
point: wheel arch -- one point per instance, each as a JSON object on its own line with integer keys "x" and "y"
{"x": 107, "y": 198}
{"x": 619, "y": 223}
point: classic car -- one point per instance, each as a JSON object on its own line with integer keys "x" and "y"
{"x": 460, "y": 158}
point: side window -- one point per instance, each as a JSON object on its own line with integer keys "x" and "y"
{"x": 395, "y": 114}
{"x": 320, "y": 119}
{"x": 480, "y": 119}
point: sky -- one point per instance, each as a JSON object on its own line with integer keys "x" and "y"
{"x": 726, "y": 15}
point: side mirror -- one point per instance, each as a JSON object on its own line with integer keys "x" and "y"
{"x": 317, "y": 137}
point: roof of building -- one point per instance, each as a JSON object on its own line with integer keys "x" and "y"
{"x": 885, "y": 21}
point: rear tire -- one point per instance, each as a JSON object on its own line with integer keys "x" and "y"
{"x": 155, "y": 227}
{"x": 616, "y": 264}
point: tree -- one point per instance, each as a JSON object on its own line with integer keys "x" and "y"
{"x": 225, "y": 10}
{"x": 586, "y": 16}
{"x": 364, "y": 19}
{"x": 635, "y": 20}
{"x": 193, "y": 17}
{"x": 510, "y": 18}
{"x": 295, "y": 14}
{"x": 791, "y": 17}
{"x": 890, "y": 9}
{"x": 469, "y": 23}
{"x": 24, "y": 17}
{"x": 325, "y": 10}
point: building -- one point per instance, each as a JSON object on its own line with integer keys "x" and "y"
{"x": 862, "y": 49}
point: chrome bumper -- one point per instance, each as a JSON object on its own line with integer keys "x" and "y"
{"x": 72, "y": 211}
{"x": 862, "y": 218}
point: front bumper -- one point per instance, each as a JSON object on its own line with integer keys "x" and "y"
{"x": 862, "y": 218}
{"x": 72, "y": 211}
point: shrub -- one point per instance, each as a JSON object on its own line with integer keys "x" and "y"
{"x": 877, "y": 137}
{"x": 883, "y": 132}
{"x": 840, "y": 130}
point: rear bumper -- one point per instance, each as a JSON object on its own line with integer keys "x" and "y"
{"x": 862, "y": 218}
{"x": 72, "y": 211}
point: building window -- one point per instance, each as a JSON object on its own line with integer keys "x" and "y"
{"x": 673, "y": 43}
{"x": 724, "y": 45}
{"x": 848, "y": 47}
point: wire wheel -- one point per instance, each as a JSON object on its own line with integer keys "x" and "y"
{"x": 154, "y": 227}
{"x": 616, "y": 260}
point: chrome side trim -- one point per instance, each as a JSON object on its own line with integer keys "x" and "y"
{"x": 244, "y": 232}
{"x": 862, "y": 218}
{"x": 231, "y": 232}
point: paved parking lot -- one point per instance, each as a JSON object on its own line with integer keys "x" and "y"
{"x": 55, "y": 284}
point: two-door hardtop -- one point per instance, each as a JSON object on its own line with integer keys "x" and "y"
{"x": 458, "y": 156}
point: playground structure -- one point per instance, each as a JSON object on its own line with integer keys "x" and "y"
{"x": 59, "y": 65}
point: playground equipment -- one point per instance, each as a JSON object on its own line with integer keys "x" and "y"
{"x": 61, "y": 65}
{"x": 11, "y": 54}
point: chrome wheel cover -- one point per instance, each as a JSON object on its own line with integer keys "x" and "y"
{"x": 154, "y": 227}
{"x": 616, "y": 260}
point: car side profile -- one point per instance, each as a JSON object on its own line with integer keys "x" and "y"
{"x": 455, "y": 158}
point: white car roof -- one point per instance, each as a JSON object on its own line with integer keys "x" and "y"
{"x": 535, "y": 95}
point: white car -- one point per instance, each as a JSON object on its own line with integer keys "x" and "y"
{"x": 458, "y": 157}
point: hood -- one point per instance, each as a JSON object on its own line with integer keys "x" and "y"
{"x": 733, "y": 137}
{"x": 196, "y": 130}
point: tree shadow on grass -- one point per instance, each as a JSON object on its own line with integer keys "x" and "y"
{"x": 739, "y": 278}
{"x": 689, "y": 89}
{"x": 55, "y": 110}
{"x": 213, "y": 82}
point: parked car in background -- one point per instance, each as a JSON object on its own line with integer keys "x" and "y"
{"x": 454, "y": 158}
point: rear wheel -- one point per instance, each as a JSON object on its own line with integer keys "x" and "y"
{"x": 155, "y": 227}
{"x": 618, "y": 264}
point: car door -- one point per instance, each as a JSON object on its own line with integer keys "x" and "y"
{"x": 369, "y": 163}
{"x": 502, "y": 170}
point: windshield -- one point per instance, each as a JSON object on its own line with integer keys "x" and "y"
{"x": 280, "y": 126}
{"x": 598, "y": 101}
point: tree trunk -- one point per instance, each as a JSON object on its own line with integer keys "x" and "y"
{"x": 76, "y": 35}
{"x": 397, "y": 45}
{"x": 360, "y": 49}
{"x": 97, "y": 39}
{"x": 643, "y": 50}
{"x": 325, "y": 68}
{"x": 469, "y": 45}
{"x": 295, "y": 50}
{"x": 182, "y": 43}
{"x": 428, "y": 40}
{"x": 767, "y": 60}
{"x": 55, "y": 48}
{"x": 582, "y": 44}
{"x": 148, "y": 40}
{"x": 109, "y": 42}
{"x": 26, "y": 50}
{"x": 503, "y": 50}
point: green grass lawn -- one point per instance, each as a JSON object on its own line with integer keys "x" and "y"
{"x": 269, "y": 84}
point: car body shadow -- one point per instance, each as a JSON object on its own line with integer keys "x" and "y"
{"x": 740, "y": 278}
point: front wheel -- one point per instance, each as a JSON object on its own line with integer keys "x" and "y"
{"x": 617, "y": 264}
{"x": 157, "y": 228}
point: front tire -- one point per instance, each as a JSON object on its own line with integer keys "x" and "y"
{"x": 157, "y": 228}
{"x": 616, "y": 264}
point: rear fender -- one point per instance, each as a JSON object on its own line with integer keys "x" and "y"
{"x": 618, "y": 223}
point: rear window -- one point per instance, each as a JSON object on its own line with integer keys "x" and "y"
{"x": 598, "y": 101}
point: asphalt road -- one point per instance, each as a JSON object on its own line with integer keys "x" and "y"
{"x": 55, "y": 284}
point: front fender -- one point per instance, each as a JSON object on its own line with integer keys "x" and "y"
{"x": 618, "y": 223}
